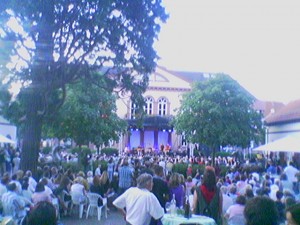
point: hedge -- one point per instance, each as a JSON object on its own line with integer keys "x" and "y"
{"x": 110, "y": 151}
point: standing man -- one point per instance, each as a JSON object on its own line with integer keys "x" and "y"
{"x": 140, "y": 203}
{"x": 98, "y": 170}
{"x": 160, "y": 189}
{"x": 125, "y": 176}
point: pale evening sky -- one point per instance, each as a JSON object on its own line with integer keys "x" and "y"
{"x": 256, "y": 42}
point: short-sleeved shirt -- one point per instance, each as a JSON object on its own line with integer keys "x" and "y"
{"x": 140, "y": 206}
{"x": 125, "y": 176}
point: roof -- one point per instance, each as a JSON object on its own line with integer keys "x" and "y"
{"x": 288, "y": 113}
{"x": 267, "y": 107}
{"x": 188, "y": 75}
{"x": 193, "y": 76}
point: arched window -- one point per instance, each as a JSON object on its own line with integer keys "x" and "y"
{"x": 162, "y": 106}
{"x": 132, "y": 110}
{"x": 148, "y": 106}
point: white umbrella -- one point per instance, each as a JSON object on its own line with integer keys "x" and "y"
{"x": 289, "y": 143}
{"x": 4, "y": 139}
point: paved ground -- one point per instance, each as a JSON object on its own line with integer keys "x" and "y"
{"x": 113, "y": 218}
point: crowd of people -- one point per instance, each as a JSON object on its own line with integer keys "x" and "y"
{"x": 141, "y": 185}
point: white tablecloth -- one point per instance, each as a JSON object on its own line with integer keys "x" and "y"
{"x": 179, "y": 219}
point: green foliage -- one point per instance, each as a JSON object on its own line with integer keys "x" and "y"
{"x": 223, "y": 170}
{"x": 110, "y": 151}
{"x": 89, "y": 113}
{"x": 81, "y": 150}
{"x": 223, "y": 154}
{"x": 73, "y": 166}
{"x": 103, "y": 164}
{"x": 69, "y": 41}
{"x": 218, "y": 112}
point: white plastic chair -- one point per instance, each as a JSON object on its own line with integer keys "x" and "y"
{"x": 55, "y": 203}
{"x": 79, "y": 200}
{"x": 93, "y": 203}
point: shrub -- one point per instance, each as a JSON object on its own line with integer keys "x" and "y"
{"x": 103, "y": 164}
{"x": 73, "y": 166}
{"x": 110, "y": 151}
{"x": 78, "y": 150}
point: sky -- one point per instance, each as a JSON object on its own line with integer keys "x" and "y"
{"x": 256, "y": 42}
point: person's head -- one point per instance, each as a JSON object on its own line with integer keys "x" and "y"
{"x": 279, "y": 195}
{"x": 233, "y": 189}
{"x": 241, "y": 200}
{"x": 40, "y": 187}
{"x": 293, "y": 214}
{"x": 174, "y": 180}
{"x": 43, "y": 213}
{"x": 125, "y": 162}
{"x": 181, "y": 178}
{"x": 96, "y": 181}
{"x": 249, "y": 193}
{"x": 11, "y": 186}
{"x": 104, "y": 177}
{"x": 209, "y": 178}
{"x": 189, "y": 179}
{"x": 261, "y": 210}
{"x": 25, "y": 183}
{"x": 44, "y": 181}
{"x": 224, "y": 189}
{"x": 65, "y": 181}
{"x": 20, "y": 174}
{"x": 81, "y": 174}
{"x": 89, "y": 173}
{"x": 54, "y": 170}
{"x": 158, "y": 170}
{"x": 145, "y": 180}
{"x": 5, "y": 179}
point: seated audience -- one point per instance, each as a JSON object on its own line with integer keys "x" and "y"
{"x": 40, "y": 194}
{"x": 235, "y": 213}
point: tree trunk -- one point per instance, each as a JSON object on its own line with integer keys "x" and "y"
{"x": 32, "y": 134}
{"x": 35, "y": 105}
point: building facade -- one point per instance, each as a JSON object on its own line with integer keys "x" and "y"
{"x": 162, "y": 97}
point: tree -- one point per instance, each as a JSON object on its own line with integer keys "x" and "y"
{"x": 218, "y": 112}
{"x": 56, "y": 42}
{"x": 88, "y": 114}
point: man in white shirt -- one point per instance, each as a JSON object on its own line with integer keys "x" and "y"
{"x": 139, "y": 202}
{"x": 227, "y": 201}
{"x": 13, "y": 204}
{"x": 290, "y": 172}
{"x": 98, "y": 170}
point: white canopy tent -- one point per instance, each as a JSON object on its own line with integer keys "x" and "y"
{"x": 289, "y": 143}
{"x": 4, "y": 139}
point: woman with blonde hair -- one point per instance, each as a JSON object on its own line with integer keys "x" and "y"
{"x": 105, "y": 183}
